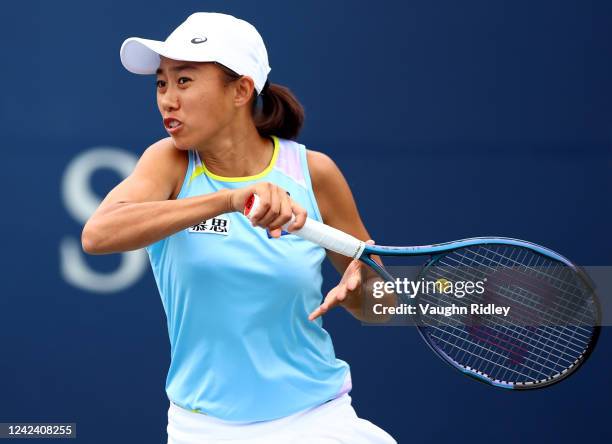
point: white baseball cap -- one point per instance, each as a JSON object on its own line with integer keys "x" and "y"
{"x": 203, "y": 37}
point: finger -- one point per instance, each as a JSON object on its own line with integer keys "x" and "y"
{"x": 321, "y": 310}
{"x": 352, "y": 268}
{"x": 285, "y": 213}
{"x": 334, "y": 297}
{"x": 353, "y": 282}
{"x": 300, "y": 217}
{"x": 263, "y": 192}
{"x": 275, "y": 232}
{"x": 315, "y": 314}
{"x": 274, "y": 209}
{"x": 340, "y": 295}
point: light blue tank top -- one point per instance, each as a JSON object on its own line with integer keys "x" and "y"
{"x": 237, "y": 305}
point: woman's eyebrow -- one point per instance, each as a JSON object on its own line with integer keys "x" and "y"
{"x": 176, "y": 68}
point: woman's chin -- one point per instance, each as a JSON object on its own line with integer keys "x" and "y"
{"x": 180, "y": 143}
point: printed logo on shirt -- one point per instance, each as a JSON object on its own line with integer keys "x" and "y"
{"x": 216, "y": 225}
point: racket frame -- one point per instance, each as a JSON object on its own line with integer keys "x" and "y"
{"x": 436, "y": 251}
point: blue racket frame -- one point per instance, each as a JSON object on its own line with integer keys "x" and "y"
{"x": 435, "y": 251}
{"x": 422, "y": 250}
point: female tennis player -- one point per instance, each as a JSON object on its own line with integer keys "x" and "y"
{"x": 250, "y": 361}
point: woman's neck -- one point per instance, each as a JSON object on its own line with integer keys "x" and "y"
{"x": 237, "y": 155}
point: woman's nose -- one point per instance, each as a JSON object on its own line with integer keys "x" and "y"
{"x": 169, "y": 100}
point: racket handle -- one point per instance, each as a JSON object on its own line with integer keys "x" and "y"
{"x": 314, "y": 231}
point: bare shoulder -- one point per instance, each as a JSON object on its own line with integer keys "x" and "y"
{"x": 163, "y": 162}
{"x": 331, "y": 190}
{"x": 322, "y": 168}
{"x": 163, "y": 149}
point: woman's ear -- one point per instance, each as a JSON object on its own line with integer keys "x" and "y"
{"x": 244, "y": 88}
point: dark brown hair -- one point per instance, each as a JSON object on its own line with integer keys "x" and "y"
{"x": 279, "y": 114}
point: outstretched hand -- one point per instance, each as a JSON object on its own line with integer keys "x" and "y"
{"x": 348, "y": 291}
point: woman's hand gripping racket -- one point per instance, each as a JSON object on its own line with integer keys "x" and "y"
{"x": 553, "y": 321}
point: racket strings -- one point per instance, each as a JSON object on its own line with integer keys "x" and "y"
{"x": 470, "y": 353}
{"x": 534, "y": 267}
{"x": 552, "y": 306}
{"x": 462, "y": 274}
{"x": 522, "y": 331}
{"x": 527, "y": 266}
{"x": 569, "y": 311}
{"x": 478, "y": 356}
{"x": 507, "y": 344}
{"x": 582, "y": 314}
{"x": 512, "y": 350}
{"x": 506, "y": 347}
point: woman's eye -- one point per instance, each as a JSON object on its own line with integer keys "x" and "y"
{"x": 181, "y": 82}
{"x": 160, "y": 83}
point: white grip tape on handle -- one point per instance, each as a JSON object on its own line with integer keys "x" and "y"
{"x": 321, "y": 234}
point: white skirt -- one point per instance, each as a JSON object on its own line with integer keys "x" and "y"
{"x": 334, "y": 422}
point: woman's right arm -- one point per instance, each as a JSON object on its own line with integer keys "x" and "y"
{"x": 142, "y": 210}
{"x": 138, "y": 212}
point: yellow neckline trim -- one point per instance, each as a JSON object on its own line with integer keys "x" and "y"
{"x": 201, "y": 169}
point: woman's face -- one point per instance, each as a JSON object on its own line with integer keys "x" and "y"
{"x": 193, "y": 101}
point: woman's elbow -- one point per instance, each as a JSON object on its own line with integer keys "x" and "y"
{"x": 91, "y": 240}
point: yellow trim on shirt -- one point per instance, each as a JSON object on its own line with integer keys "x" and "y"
{"x": 189, "y": 410}
{"x": 201, "y": 169}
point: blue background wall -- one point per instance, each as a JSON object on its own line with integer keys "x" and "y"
{"x": 449, "y": 119}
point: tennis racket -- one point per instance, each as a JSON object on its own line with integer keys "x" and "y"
{"x": 555, "y": 315}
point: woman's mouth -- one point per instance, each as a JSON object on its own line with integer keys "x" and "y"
{"x": 172, "y": 125}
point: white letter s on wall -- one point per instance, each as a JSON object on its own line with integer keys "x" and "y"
{"x": 81, "y": 202}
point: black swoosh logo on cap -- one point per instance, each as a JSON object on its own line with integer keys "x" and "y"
{"x": 197, "y": 40}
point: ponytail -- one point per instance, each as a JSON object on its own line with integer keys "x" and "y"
{"x": 280, "y": 113}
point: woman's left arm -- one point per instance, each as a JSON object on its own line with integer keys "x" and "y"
{"x": 338, "y": 209}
